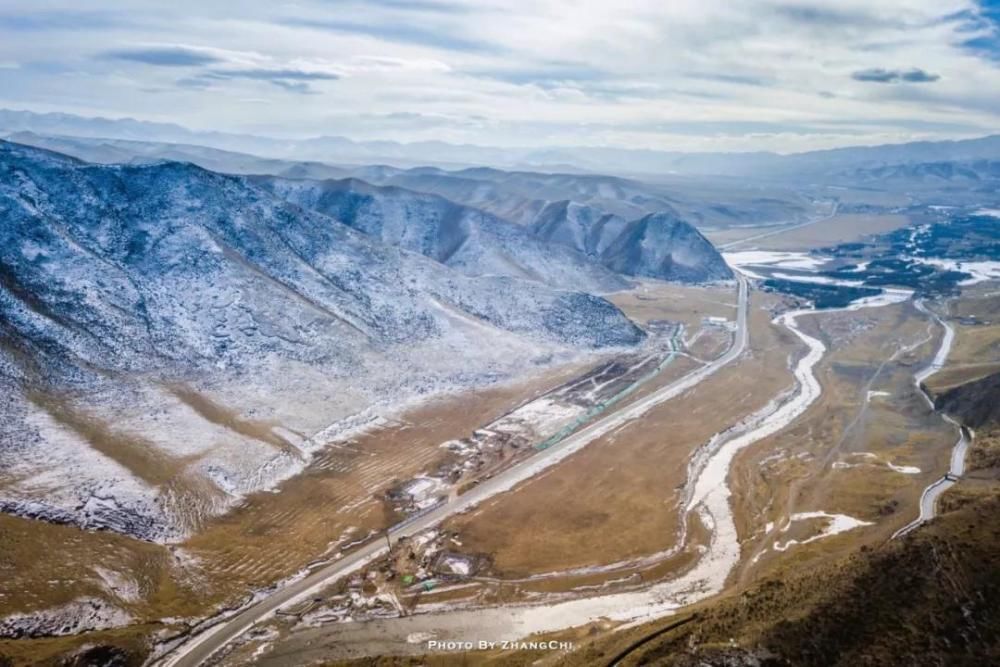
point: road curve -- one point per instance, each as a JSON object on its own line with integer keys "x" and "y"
{"x": 956, "y": 468}
{"x": 202, "y": 646}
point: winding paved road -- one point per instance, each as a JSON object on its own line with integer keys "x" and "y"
{"x": 956, "y": 467}
{"x": 202, "y": 646}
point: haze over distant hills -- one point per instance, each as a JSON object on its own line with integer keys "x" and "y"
{"x": 516, "y": 196}
{"x": 598, "y": 159}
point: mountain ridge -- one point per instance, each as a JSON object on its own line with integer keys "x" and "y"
{"x": 119, "y": 284}
{"x": 467, "y": 239}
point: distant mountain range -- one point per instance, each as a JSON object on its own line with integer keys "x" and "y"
{"x": 516, "y": 196}
{"x": 128, "y": 151}
{"x": 562, "y": 159}
{"x": 520, "y": 196}
{"x": 964, "y": 173}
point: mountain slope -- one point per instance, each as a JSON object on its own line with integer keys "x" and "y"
{"x": 519, "y": 196}
{"x": 976, "y": 404}
{"x": 522, "y": 197}
{"x": 661, "y": 245}
{"x": 656, "y": 245}
{"x": 461, "y": 237}
{"x": 559, "y": 206}
{"x": 138, "y": 303}
{"x": 977, "y": 175}
{"x": 930, "y": 599}
{"x": 578, "y": 226}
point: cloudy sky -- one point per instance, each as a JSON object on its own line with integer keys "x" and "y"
{"x": 782, "y": 75}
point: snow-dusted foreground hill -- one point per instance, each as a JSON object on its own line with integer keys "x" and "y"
{"x": 172, "y": 338}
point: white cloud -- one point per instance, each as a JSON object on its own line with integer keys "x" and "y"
{"x": 685, "y": 74}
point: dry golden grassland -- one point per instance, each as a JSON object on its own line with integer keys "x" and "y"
{"x": 975, "y": 315}
{"x": 835, "y": 458}
{"x": 273, "y": 535}
{"x": 617, "y": 498}
{"x": 653, "y": 300}
{"x": 828, "y": 598}
{"x": 270, "y": 536}
{"x": 841, "y": 228}
{"x": 929, "y": 599}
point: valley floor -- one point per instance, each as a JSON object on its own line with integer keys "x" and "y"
{"x": 845, "y": 474}
{"x": 339, "y": 501}
{"x": 613, "y": 518}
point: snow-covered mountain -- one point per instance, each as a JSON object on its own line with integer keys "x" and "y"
{"x": 467, "y": 239}
{"x": 587, "y": 212}
{"x": 519, "y": 196}
{"x": 577, "y": 225}
{"x": 173, "y": 338}
{"x": 566, "y": 244}
{"x": 515, "y": 196}
{"x": 660, "y": 245}
{"x": 461, "y": 235}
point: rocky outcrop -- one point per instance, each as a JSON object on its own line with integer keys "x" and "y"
{"x": 976, "y": 404}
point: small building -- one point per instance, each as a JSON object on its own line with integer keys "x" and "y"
{"x": 418, "y": 492}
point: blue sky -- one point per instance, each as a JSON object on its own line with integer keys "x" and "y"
{"x": 782, "y": 75}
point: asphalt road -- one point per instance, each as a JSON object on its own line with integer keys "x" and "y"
{"x": 200, "y": 647}
{"x": 776, "y": 232}
{"x": 928, "y": 499}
